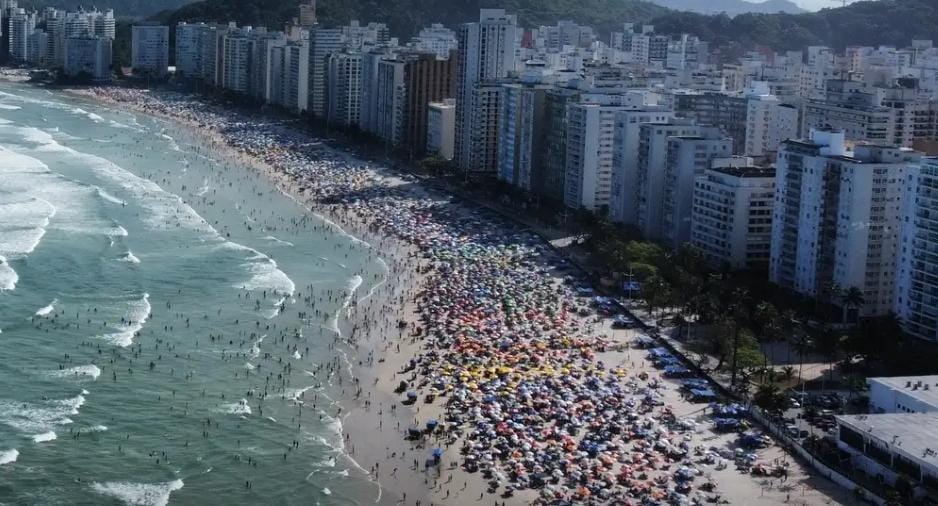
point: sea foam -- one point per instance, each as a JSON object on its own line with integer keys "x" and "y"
{"x": 82, "y": 371}
{"x": 45, "y": 437}
{"x": 139, "y": 494}
{"x": 47, "y": 310}
{"x": 39, "y": 417}
{"x": 128, "y": 258}
{"x": 8, "y": 456}
{"x": 137, "y": 314}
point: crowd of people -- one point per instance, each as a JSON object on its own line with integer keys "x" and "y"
{"x": 535, "y": 395}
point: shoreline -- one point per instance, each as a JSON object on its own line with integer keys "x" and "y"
{"x": 577, "y": 335}
{"x": 398, "y": 257}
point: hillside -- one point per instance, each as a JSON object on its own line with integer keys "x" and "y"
{"x": 731, "y": 7}
{"x": 893, "y": 22}
{"x": 122, "y": 8}
{"x": 406, "y": 17}
{"x": 869, "y": 23}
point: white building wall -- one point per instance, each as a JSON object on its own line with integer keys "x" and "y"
{"x": 150, "y": 49}
{"x": 441, "y": 128}
{"x": 91, "y": 55}
{"x": 486, "y": 53}
{"x": 624, "y": 192}
{"x": 189, "y": 49}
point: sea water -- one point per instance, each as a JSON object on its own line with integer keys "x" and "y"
{"x": 150, "y": 295}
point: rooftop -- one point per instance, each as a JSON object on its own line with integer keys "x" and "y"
{"x": 914, "y": 434}
{"x": 922, "y": 388}
{"x": 746, "y": 171}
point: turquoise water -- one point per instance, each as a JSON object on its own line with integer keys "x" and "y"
{"x": 162, "y": 312}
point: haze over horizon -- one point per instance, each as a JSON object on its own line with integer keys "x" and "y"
{"x": 815, "y": 5}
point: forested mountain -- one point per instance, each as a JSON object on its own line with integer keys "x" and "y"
{"x": 122, "y": 8}
{"x": 872, "y": 22}
{"x": 731, "y": 7}
{"x": 868, "y": 23}
{"x": 406, "y": 17}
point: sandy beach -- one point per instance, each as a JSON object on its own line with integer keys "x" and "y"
{"x": 476, "y": 380}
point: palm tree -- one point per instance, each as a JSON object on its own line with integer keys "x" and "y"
{"x": 827, "y": 342}
{"x": 768, "y": 396}
{"x": 851, "y": 298}
{"x": 681, "y": 322}
{"x": 802, "y": 345}
{"x": 739, "y": 307}
{"x": 788, "y": 324}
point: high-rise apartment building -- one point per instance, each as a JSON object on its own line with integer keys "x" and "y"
{"x": 344, "y": 88}
{"x": 441, "y": 128}
{"x": 836, "y": 219}
{"x": 22, "y": 24}
{"x": 731, "y": 222}
{"x": 486, "y": 54}
{"x": 917, "y": 278}
{"x": 150, "y": 49}
{"x": 322, "y": 43}
{"x": 88, "y": 56}
{"x": 688, "y": 157}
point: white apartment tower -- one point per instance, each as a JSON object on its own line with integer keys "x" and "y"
{"x": 917, "y": 278}
{"x": 523, "y": 134}
{"x": 103, "y": 23}
{"x": 90, "y": 56}
{"x": 37, "y": 50}
{"x": 150, "y": 49}
{"x": 768, "y": 121}
{"x": 189, "y": 49}
{"x": 437, "y": 39}
{"x": 486, "y": 54}
{"x": 836, "y": 219}
{"x": 22, "y": 24}
{"x": 238, "y": 47}
{"x": 322, "y": 43}
{"x": 389, "y": 98}
{"x": 623, "y": 205}
{"x": 441, "y": 128}
{"x": 731, "y": 223}
{"x": 652, "y": 178}
{"x": 589, "y": 150}
{"x": 345, "y": 88}
{"x": 688, "y": 157}
{"x": 296, "y": 76}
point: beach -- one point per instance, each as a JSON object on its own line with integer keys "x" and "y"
{"x": 469, "y": 368}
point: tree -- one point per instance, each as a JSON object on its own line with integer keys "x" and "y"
{"x": 681, "y": 322}
{"x": 740, "y": 311}
{"x": 656, "y": 293}
{"x": 827, "y": 342}
{"x": 851, "y": 298}
{"x": 769, "y": 397}
{"x": 802, "y": 345}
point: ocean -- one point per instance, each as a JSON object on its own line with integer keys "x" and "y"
{"x": 166, "y": 319}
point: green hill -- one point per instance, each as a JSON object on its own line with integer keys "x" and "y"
{"x": 406, "y": 17}
{"x": 868, "y": 23}
{"x": 122, "y": 8}
{"x": 891, "y": 22}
